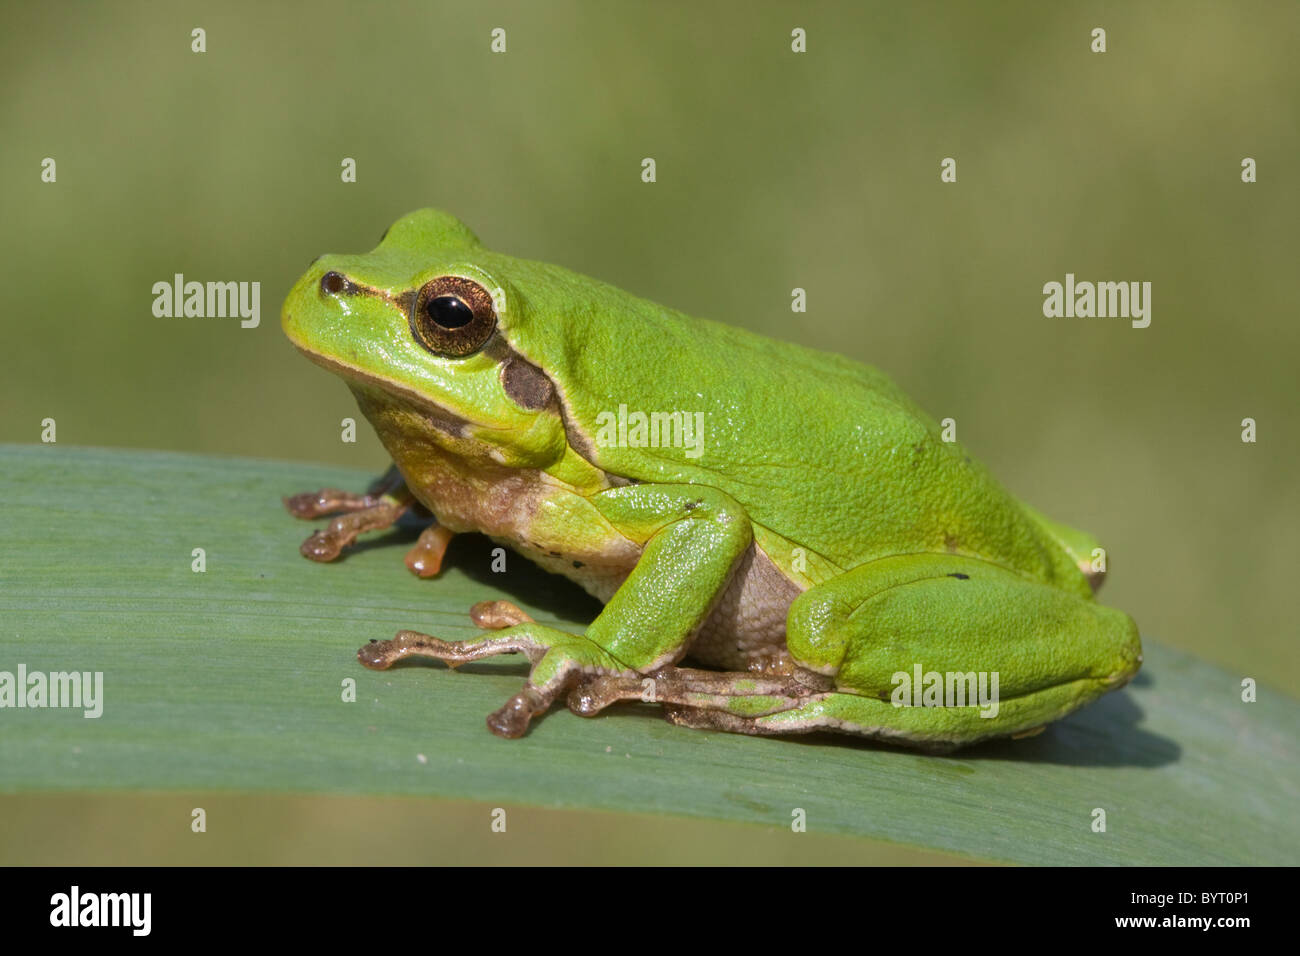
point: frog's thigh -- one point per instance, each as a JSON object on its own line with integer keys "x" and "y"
{"x": 1051, "y": 651}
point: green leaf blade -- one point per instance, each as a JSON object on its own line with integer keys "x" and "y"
{"x": 232, "y": 679}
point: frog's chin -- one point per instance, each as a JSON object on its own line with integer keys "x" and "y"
{"x": 361, "y": 382}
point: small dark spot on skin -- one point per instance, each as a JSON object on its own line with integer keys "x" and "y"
{"x": 555, "y": 554}
{"x": 374, "y": 640}
{"x": 960, "y": 577}
{"x": 578, "y": 564}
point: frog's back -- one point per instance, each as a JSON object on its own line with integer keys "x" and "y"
{"x": 823, "y": 452}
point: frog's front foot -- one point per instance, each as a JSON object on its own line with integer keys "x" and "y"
{"x": 345, "y": 528}
{"x": 559, "y": 660}
{"x": 384, "y": 502}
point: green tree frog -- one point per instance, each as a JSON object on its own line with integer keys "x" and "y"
{"x": 782, "y": 540}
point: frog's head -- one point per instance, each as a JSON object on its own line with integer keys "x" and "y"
{"x": 418, "y": 328}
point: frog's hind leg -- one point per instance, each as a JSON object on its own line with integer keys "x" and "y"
{"x": 941, "y": 650}
{"x": 981, "y": 651}
{"x": 791, "y": 709}
{"x": 738, "y": 703}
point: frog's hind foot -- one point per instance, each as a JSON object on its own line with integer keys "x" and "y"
{"x": 559, "y": 660}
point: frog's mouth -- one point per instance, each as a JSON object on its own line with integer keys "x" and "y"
{"x": 445, "y": 421}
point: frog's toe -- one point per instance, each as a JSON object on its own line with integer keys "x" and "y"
{"x": 497, "y": 615}
{"x": 321, "y": 546}
{"x": 512, "y": 719}
{"x": 424, "y": 560}
{"x": 312, "y": 504}
{"x": 309, "y": 505}
{"x": 380, "y": 655}
{"x": 555, "y": 674}
{"x": 374, "y": 655}
{"x": 593, "y": 693}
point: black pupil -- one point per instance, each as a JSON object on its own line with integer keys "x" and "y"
{"x": 449, "y": 312}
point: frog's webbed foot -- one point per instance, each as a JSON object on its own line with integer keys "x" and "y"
{"x": 559, "y": 660}
{"x": 345, "y": 528}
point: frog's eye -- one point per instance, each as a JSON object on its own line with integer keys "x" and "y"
{"x": 453, "y": 316}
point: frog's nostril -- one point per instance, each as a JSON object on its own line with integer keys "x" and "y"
{"x": 333, "y": 283}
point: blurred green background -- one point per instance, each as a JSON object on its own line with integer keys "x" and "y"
{"x": 775, "y": 170}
